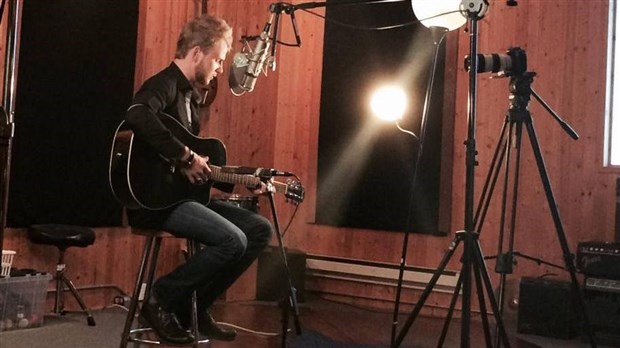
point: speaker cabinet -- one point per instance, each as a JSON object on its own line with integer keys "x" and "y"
{"x": 599, "y": 259}
{"x": 272, "y": 281}
{"x": 546, "y": 308}
{"x": 603, "y": 307}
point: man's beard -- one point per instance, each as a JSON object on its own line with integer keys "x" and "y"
{"x": 201, "y": 78}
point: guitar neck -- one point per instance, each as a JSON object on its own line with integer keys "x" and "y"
{"x": 218, "y": 174}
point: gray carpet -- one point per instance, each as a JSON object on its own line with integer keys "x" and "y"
{"x": 70, "y": 331}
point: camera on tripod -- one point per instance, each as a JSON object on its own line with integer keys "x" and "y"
{"x": 513, "y": 63}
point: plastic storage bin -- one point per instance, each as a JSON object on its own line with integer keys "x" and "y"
{"x": 22, "y": 301}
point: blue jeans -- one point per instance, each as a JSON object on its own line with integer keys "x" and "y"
{"x": 233, "y": 238}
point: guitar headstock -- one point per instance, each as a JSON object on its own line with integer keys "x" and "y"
{"x": 294, "y": 191}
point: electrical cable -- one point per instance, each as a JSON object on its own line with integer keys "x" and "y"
{"x": 356, "y": 27}
{"x": 395, "y": 26}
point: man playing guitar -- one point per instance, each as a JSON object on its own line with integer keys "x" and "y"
{"x": 233, "y": 236}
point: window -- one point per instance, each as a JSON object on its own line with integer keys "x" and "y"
{"x": 612, "y": 122}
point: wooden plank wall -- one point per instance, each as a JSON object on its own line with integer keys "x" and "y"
{"x": 277, "y": 125}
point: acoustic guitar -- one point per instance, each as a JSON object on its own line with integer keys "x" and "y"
{"x": 141, "y": 178}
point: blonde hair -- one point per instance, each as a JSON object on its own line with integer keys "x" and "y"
{"x": 203, "y": 31}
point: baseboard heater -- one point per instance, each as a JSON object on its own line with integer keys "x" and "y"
{"x": 378, "y": 273}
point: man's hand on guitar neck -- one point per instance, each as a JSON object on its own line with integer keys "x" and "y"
{"x": 195, "y": 168}
{"x": 261, "y": 189}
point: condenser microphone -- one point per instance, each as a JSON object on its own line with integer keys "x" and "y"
{"x": 246, "y": 66}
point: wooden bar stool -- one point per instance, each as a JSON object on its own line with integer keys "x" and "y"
{"x": 146, "y": 274}
{"x": 63, "y": 237}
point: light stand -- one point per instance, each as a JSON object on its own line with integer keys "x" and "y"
{"x": 438, "y": 35}
{"x": 472, "y": 259}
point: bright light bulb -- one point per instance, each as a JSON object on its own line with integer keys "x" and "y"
{"x": 439, "y": 13}
{"x": 389, "y": 103}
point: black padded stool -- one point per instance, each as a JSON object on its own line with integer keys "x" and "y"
{"x": 145, "y": 278}
{"x": 63, "y": 237}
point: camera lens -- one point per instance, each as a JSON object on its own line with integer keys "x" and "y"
{"x": 494, "y": 63}
{"x": 514, "y": 62}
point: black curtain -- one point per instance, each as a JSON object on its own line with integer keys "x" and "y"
{"x": 75, "y": 81}
{"x": 365, "y": 176}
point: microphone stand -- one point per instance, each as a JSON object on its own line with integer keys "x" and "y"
{"x": 289, "y": 304}
{"x": 7, "y": 127}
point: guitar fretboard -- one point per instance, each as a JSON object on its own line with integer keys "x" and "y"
{"x": 218, "y": 174}
{"x": 248, "y": 180}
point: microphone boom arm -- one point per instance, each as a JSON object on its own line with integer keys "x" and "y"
{"x": 283, "y": 7}
{"x": 249, "y": 63}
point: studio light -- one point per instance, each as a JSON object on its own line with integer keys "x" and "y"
{"x": 389, "y": 103}
{"x": 439, "y": 13}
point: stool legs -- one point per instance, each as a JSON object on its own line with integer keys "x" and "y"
{"x": 62, "y": 281}
{"x": 133, "y": 306}
{"x": 60, "y": 271}
{"x": 147, "y": 270}
{"x": 190, "y": 252}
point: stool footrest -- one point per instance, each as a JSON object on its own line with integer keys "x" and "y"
{"x": 145, "y": 275}
{"x": 134, "y": 336}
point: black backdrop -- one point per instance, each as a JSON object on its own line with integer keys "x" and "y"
{"x": 75, "y": 80}
{"x": 355, "y": 61}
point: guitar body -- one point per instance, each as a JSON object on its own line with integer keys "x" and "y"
{"x": 141, "y": 178}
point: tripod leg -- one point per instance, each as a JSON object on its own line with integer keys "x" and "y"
{"x": 466, "y": 273}
{"x": 446, "y": 323}
{"x": 483, "y": 307}
{"x": 478, "y": 267}
{"x": 491, "y": 179}
{"x": 500, "y": 300}
{"x": 485, "y": 322}
{"x": 427, "y": 291}
{"x": 568, "y": 260}
{"x": 500, "y": 156}
{"x": 504, "y": 262}
{"x": 482, "y": 270}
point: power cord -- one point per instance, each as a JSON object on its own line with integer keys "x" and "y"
{"x": 237, "y": 327}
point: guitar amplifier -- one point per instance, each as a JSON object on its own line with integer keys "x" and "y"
{"x": 272, "y": 281}
{"x": 599, "y": 259}
{"x": 602, "y": 298}
{"x": 546, "y": 308}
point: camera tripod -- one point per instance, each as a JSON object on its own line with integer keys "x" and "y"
{"x": 518, "y": 116}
